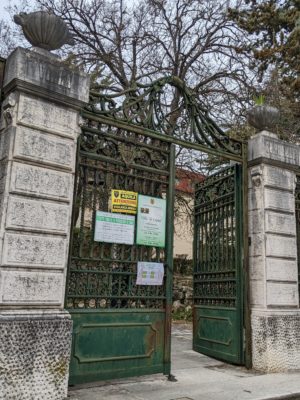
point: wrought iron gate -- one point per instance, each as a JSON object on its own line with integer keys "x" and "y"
{"x": 218, "y": 301}
{"x": 119, "y": 327}
{"x": 128, "y": 143}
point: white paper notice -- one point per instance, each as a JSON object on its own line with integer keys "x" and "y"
{"x": 114, "y": 228}
{"x": 150, "y": 273}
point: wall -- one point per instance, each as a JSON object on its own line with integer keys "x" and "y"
{"x": 274, "y": 297}
{"x": 38, "y": 134}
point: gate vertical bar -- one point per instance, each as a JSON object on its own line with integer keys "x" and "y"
{"x": 169, "y": 266}
{"x": 239, "y": 254}
{"x": 245, "y": 255}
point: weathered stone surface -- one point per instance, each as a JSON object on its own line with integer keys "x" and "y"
{"x": 281, "y": 246}
{"x": 256, "y": 221}
{"x": 255, "y": 199}
{"x": 280, "y": 223}
{"x": 275, "y": 341}
{"x": 34, "y": 250}
{"x": 3, "y": 183}
{"x": 34, "y": 357}
{"x": 281, "y": 270}
{"x": 282, "y": 294}
{"x": 27, "y": 214}
{"x": 257, "y": 293}
{"x": 46, "y": 73}
{"x": 255, "y": 174}
{"x": 44, "y": 148}
{"x": 47, "y": 116}
{"x": 266, "y": 145}
{"x": 274, "y": 270}
{"x": 256, "y": 267}
{"x": 3, "y": 175}
{"x": 5, "y": 137}
{"x": 8, "y": 111}
{"x": 41, "y": 182}
{"x": 279, "y": 200}
{"x": 278, "y": 177}
{"x": 31, "y": 287}
{"x": 257, "y": 245}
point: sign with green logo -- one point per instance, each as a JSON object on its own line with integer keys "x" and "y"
{"x": 151, "y": 221}
{"x": 114, "y": 228}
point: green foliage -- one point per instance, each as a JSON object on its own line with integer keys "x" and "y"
{"x": 274, "y": 28}
{"x": 273, "y": 31}
{"x": 183, "y": 314}
{"x": 259, "y": 100}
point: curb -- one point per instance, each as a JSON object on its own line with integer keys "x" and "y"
{"x": 291, "y": 396}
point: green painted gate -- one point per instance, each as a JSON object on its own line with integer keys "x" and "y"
{"x": 218, "y": 266}
{"x": 128, "y": 142}
{"x": 119, "y": 328}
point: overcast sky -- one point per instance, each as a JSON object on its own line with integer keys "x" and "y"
{"x": 4, "y": 3}
{"x": 3, "y": 13}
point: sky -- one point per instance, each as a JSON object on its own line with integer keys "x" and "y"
{"x": 3, "y": 13}
{"x": 4, "y": 3}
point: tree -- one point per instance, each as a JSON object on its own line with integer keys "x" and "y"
{"x": 274, "y": 26}
{"x": 274, "y": 43}
{"x": 120, "y": 43}
{"x": 191, "y": 39}
{"x": 195, "y": 40}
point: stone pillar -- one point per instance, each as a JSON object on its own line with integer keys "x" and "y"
{"x": 275, "y": 315}
{"x": 39, "y": 129}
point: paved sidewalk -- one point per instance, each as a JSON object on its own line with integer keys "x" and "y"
{"x": 198, "y": 378}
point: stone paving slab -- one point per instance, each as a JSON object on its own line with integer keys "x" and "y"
{"x": 198, "y": 378}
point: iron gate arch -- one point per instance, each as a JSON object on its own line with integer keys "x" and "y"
{"x": 127, "y": 142}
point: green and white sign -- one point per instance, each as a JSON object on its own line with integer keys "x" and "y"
{"x": 151, "y": 221}
{"x": 114, "y": 228}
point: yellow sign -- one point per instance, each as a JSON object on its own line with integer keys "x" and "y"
{"x": 123, "y": 201}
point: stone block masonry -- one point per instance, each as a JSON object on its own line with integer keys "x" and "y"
{"x": 275, "y": 314}
{"x": 38, "y": 136}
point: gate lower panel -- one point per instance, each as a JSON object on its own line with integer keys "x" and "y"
{"x": 117, "y": 344}
{"x": 215, "y": 333}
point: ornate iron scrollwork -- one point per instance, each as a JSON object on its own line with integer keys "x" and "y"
{"x": 144, "y": 106}
{"x": 103, "y": 275}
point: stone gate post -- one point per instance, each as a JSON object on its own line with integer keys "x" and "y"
{"x": 39, "y": 129}
{"x": 274, "y": 297}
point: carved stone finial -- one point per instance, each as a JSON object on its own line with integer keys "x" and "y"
{"x": 45, "y": 30}
{"x": 263, "y": 117}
